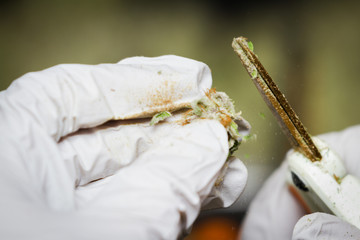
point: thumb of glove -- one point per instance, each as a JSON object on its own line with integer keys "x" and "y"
{"x": 324, "y": 226}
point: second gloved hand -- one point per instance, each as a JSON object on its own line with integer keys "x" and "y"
{"x": 276, "y": 214}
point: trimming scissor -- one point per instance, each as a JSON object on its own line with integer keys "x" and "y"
{"x": 316, "y": 176}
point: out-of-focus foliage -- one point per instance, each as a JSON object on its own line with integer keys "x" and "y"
{"x": 310, "y": 48}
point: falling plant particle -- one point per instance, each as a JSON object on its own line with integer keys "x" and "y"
{"x": 249, "y": 137}
{"x": 262, "y": 115}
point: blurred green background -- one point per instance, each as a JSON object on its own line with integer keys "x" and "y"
{"x": 310, "y": 48}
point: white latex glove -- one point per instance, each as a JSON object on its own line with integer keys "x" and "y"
{"x": 121, "y": 180}
{"x": 275, "y": 213}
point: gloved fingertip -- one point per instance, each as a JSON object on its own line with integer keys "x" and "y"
{"x": 324, "y": 226}
{"x": 234, "y": 181}
{"x": 229, "y": 185}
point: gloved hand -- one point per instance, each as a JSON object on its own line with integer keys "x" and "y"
{"x": 275, "y": 213}
{"x": 68, "y": 173}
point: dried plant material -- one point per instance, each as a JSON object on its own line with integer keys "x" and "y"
{"x": 218, "y": 106}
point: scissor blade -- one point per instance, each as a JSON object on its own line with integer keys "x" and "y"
{"x": 276, "y": 101}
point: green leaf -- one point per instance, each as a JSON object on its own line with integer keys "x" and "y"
{"x": 159, "y": 117}
{"x": 251, "y": 46}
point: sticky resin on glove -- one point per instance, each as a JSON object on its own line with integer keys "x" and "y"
{"x": 218, "y": 106}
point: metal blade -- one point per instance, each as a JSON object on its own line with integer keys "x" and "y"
{"x": 276, "y": 101}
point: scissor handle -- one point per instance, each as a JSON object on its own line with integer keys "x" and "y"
{"x": 324, "y": 186}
